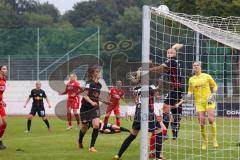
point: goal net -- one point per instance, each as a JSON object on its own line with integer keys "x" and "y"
{"x": 215, "y": 41}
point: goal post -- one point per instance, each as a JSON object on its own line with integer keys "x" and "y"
{"x": 215, "y": 41}
{"x": 145, "y": 82}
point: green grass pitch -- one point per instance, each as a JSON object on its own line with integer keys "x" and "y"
{"x": 62, "y": 144}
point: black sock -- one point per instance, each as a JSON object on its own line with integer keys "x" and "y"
{"x": 124, "y": 129}
{"x": 166, "y": 119}
{"x": 47, "y": 123}
{"x": 81, "y": 135}
{"x": 125, "y": 144}
{"x": 176, "y": 124}
{"x": 29, "y": 122}
{"x": 94, "y": 136}
{"x": 158, "y": 145}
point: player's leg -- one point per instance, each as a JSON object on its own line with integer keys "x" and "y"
{"x": 95, "y": 124}
{"x": 168, "y": 100}
{"x": 75, "y": 108}
{"x": 45, "y": 120}
{"x": 175, "y": 124}
{"x": 82, "y": 133}
{"x": 201, "y": 119}
{"x": 166, "y": 114}
{"x": 69, "y": 116}
{"x": 42, "y": 114}
{"x": 115, "y": 127}
{"x": 136, "y": 126}
{"x": 152, "y": 142}
{"x": 156, "y": 139}
{"x": 211, "y": 120}
{"x": 117, "y": 115}
{"x": 29, "y": 122}
{"x": 77, "y": 117}
{"x": 3, "y": 125}
{"x": 126, "y": 143}
{"x": 30, "y": 117}
{"x": 107, "y": 131}
{"x": 158, "y": 143}
{"x": 108, "y": 113}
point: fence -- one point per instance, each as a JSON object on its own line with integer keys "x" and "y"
{"x": 33, "y": 53}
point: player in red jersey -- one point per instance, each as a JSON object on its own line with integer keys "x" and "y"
{"x": 3, "y": 121}
{"x": 116, "y": 94}
{"x": 73, "y": 90}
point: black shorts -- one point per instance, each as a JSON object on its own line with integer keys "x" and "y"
{"x": 177, "y": 111}
{"x": 87, "y": 115}
{"x": 153, "y": 123}
{"x": 39, "y": 110}
{"x": 173, "y": 97}
{"x": 108, "y": 126}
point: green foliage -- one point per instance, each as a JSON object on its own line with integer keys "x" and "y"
{"x": 38, "y": 20}
{"x": 118, "y": 19}
{"x": 184, "y": 6}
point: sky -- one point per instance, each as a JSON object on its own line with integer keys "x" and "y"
{"x": 63, "y": 5}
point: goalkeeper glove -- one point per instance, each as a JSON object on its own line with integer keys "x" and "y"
{"x": 212, "y": 98}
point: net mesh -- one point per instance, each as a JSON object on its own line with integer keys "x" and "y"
{"x": 215, "y": 41}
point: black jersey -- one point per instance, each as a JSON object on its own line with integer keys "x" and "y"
{"x": 94, "y": 93}
{"x": 174, "y": 73}
{"x": 137, "y": 90}
{"x": 38, "y": 96}
{"x": 152, "y": 119}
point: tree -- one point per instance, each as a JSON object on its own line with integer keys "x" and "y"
{"x": 38, "y": 20}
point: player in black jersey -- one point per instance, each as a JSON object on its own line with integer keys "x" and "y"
{"x": 90, "y": 111}
{"x": 154, "y": 125}
{"x": 110, "y": 128}
{"x": 37, "y": 95}
{"x": 176, "y": 113}
{"x": 172, "y": 69}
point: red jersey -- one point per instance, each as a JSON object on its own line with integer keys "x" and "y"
{"x": 2, "y": 89}
{"x": 73, "y": 90}
{"x": 116, "y": 95}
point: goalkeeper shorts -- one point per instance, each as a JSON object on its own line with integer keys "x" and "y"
{"x": 203, "y": 107}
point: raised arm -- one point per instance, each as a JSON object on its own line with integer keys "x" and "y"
{"x": 159, "y": 69}
{"x": 179, "y": 103}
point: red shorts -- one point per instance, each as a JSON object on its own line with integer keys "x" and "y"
{"x": 73, "y": 103}
{"x": 114, "y": 108}
{"x": 2, "y": 112}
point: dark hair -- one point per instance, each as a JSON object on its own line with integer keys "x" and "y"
{"x": 91, "y": 71}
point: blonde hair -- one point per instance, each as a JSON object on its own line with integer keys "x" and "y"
{"x": 38, "y": 82}
{"x": 199, "y": 62}
{"x": 177, "y": 46}
{"x": 74, "y": 75}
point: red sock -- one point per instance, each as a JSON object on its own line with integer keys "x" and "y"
{"x": 77, "y": 118}
{"x": 2, "y": 129}
{"x": 152, "y": 142}
{"x": 106, "y": 119}
{"x": 118, "y": 122}
{"x": 69, "y": 116}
